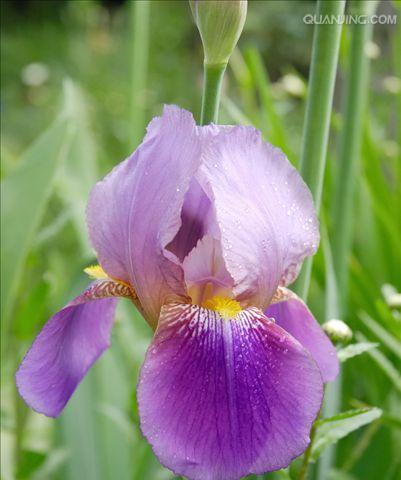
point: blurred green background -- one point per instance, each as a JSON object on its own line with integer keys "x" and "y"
{"x": 93, "y": 74}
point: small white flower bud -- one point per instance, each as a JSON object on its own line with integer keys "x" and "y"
{"x": 338, "y": 331}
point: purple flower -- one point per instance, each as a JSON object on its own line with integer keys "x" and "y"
{"x": 202, "y": 228}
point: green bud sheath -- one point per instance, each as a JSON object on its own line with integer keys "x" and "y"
{"x": 220, "y": 24}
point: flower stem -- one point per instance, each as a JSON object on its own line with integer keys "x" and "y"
{"x": 326, "y": 41}
{"x": 307, "y": 455}
{"x": 213, "y": 80}
{"x": 356, "y": 89}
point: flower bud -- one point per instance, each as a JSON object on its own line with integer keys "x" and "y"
{"x": 392, "y": 296}
{"x": 220, "y": 24}
{"x": 338, "y": 331}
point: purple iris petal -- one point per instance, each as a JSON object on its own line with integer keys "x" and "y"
{"x": 295, "y": 317}
{"x": 225, "y": 398}
{"x": 264, "y": 209}
{"x": 135, "y": 212}
{"x": 196, "y": 218}
{"x": 67, "y": 346}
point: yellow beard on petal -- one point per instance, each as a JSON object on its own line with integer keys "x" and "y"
{"x": 225, "y": 306}
{"x": 96, "y": 272}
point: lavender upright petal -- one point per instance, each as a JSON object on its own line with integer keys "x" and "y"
{"x": 294, "y": 316}
{"x": 135, "y": 212}
{"x": 222, "y": 398}
{"x": 67, "y": 346}
{"x": 264, "y": 209}
{"x": 205, "y": 271}
{"x": 196, "y": 221}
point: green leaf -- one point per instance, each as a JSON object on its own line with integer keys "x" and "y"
{"x": 50, "y": 467}
{"x": 78, "y": 174}
{"x": 330, "y": 430}
{"x": 29, "y": 462}
{"x": 355, "y": 349}
{"x": 81, "y": 433}
{"x": 25, "y": 193}
{"x": 65, "y": 152}
{"x": 33, "y": 307}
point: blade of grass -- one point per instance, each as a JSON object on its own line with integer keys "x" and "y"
{"x": 355, "y": 102}
{"x": 81, "y": 433}
{"x": 387, "y": 339}
{"x": 261, "y": 79}
{"x": 384, "y": 363}
{"x": 234, "y": 112}
{"x": 79, "y": 173}
{"x": 140, "y": 13}
{"x": 325, "y": 49}
{"x": 25, "y": 193}
{"x": 245, "y": 83}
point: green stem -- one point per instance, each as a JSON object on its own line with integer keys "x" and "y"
{"x": 140, "y": 38}
{"x": 326, "y": 41}
{"x": 350, "y": 145}
{"x": 213, "y": 80}
{"x": 307, "y": 455}
{"x": 343, "y": 213}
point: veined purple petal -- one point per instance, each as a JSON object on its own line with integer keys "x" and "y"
{"x": 264, "y": 209}
{"x": 67, "y": 346}
{"x": 294, "y": 316}
{"x": 219, "y": 399}
{"x": 135, "y": 212}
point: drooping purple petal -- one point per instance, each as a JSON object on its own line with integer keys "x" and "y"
{"x": 219, "y": 399}
{"x": 135, "y": 212}
{"x": 67, "y": 346}
{"x": 264, "y": 209}
{"x": 294, "y": 316}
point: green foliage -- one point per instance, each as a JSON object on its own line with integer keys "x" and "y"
{"x": 355, "y": 349}
{"x": 331, "y": 430}
{"x": 25, "y": 193}
{"x": 46, "y": 185}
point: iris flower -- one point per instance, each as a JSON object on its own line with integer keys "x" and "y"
{"x": 202, "y": 228}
